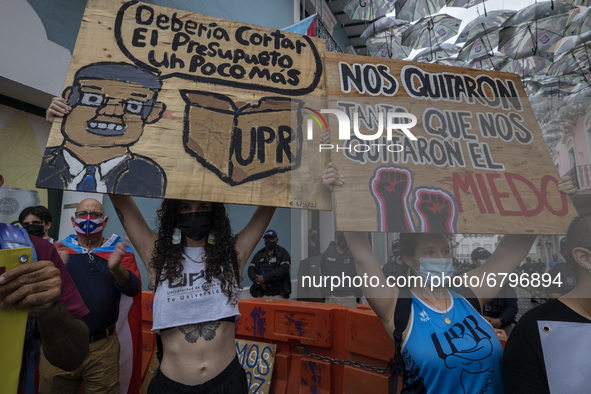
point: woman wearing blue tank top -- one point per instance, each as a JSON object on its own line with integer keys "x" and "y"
{"x": 446, "y": 347}
{"x": 195, "y": 265}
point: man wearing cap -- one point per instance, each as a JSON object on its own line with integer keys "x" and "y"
{"x": 393, "y": 267}
{"x": 338, "y": 261}
{"x": 269, "y": 270}
{"x": 501, "y": 311}
{"x": 564, "y": 276}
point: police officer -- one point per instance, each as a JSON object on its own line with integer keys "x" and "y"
{"x": 269, "y": 270}
{"x": 564, "y": 273}
{"x": 338, "y": 261}
{"x": 393, "y": 268}
{"x": 501, "y": 311}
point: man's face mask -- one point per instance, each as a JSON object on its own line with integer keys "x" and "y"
{"x": 270, "y": 244}
{"x": 88, "y": 226}
{"x": 195, "y": 225}
{"x": 435, "y": 267}
{"x": 37, "y": 230}
{"x": 342, "y": 242}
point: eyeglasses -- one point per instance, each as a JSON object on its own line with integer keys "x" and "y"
{"x": 93, "y": 215}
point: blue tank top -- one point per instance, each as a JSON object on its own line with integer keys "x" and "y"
{"x": 464, "y": 357}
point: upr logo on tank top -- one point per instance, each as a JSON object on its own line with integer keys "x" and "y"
{"x": 467, "y": 346}
{"x": 192, "y": 285}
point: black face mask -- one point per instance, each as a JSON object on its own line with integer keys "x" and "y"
{"x": 195, "y": 225}
{"x": 35, "y": 229}
{"x": 342, "y": 242}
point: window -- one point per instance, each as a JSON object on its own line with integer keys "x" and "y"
{"x": 571, "y": 158}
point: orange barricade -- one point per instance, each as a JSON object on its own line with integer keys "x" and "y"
{"x": 148, "y": 337}
{"x": 329, "y": 331}
{"x": 502, "y": 335}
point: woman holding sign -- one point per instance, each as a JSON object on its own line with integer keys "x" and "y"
{"x": 442, "y": 341}
{"x": 194, "y": 264}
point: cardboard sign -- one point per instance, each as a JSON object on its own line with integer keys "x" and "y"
{"x": 13, "y": 323}
{"x": 168, "y": 103}
{"x": 479, "y": 163}
{"x": 258, "y": 360}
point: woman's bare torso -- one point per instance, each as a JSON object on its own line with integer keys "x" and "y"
{"x": 196, "y": 353}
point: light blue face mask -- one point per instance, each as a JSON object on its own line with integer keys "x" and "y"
{"x": 435, "y": 267}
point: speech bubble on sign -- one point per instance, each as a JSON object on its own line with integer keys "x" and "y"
{"x": 211, "y": 50}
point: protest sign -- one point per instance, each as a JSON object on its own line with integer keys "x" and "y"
{"x": 168, "y": 103}
{"x": 475, "y": 162}
{"x": 258, "y": 360}
{"x": 13, "y": 323}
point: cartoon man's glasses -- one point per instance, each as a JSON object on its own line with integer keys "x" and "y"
{"x": 85, "y": 214}
{"x": 96, "y": 100}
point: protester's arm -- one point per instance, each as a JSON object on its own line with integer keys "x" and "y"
{"x": 381, "y": 298}
{"x": 141, "y": 235}
{"x": 511, "y": 251}
{"x": 250, "y": 235}
{"x": 37, "y": 286}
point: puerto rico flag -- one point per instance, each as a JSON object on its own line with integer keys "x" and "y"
{"x": 129, "y": 323}
{"x": 89, "y": 226}
{"x": 306, "y": 27}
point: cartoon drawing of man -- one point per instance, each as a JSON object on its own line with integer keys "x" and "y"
{"x": 110, "y": 104}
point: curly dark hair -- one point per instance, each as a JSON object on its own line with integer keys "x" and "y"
{"x": 221, "y": 257}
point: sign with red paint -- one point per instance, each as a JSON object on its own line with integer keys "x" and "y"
{"x": 474, "y": 161}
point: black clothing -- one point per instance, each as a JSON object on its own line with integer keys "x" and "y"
{"x": 136, "y": 174}
{"x": 313, "y": 248}
{"x": 524, "y": 369}
{"x": 394, "y": 268}
{"x": 275, "y": 270}
{"x": 231, "y": 380}
{"x": 568, "y": 277}
{"x": 340, "y": 265}
{"x": 503, "y": 307}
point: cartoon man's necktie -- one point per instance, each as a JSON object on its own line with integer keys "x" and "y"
{"x": 88, "y": 184}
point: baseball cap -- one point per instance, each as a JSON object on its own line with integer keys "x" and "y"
{"x": 480, "y": 253}
{"x": 270, "y": 234}
{"x": 396, "y": 242}
{"x": 338, "y": 234}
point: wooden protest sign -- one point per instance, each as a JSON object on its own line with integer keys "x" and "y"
{"x": 479, "y": 164}
{"x": 168, "y": 103}
{"x": 258, "y": 360}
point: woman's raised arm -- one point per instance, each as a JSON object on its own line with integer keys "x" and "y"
{"x": 142, "y": 237}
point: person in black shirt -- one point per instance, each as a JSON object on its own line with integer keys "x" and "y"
{"x": 548, "y": 350}
{"x": 394, "y": 266}
{"x": 269, "y": 269}
{"x": 501, "y": 311}
{"x": 313, "y": 243}
{"x": 338, "y": 261}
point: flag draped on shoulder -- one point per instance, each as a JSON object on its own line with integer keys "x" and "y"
{"x": 129, "y": 323}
